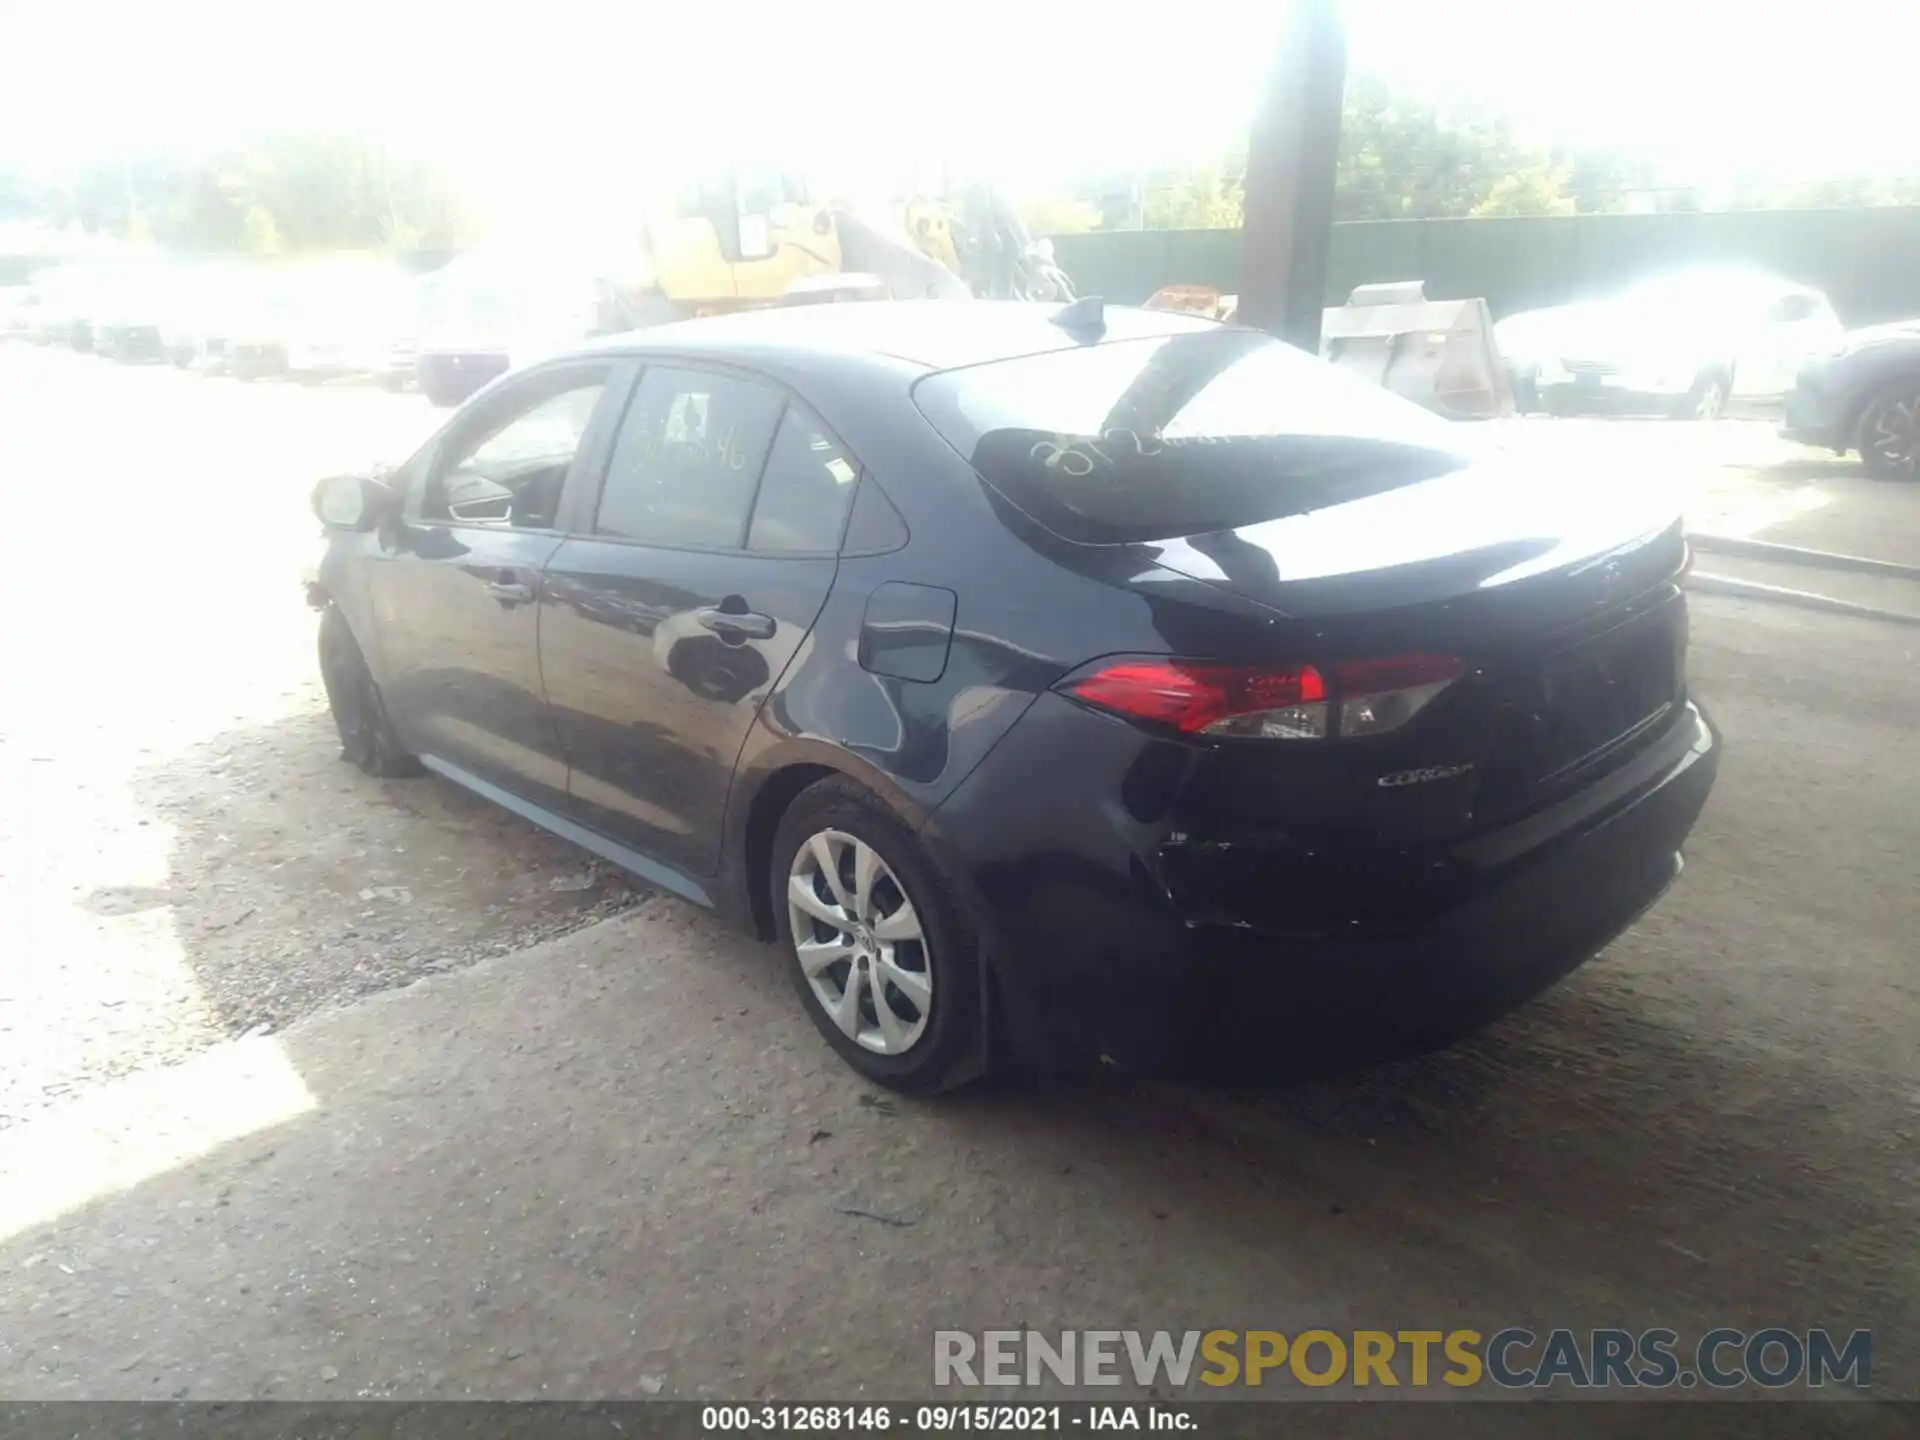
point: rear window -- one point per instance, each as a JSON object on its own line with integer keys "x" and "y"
{"x": 1184, "y": 434}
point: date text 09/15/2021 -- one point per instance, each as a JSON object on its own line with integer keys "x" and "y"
{"x": 942, "y": 1419}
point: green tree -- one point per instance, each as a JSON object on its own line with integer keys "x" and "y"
{"x": 1205, "y": 197}
{"x": 1604, "y": 182}
{"x": 1059, "y": 216}
{"x": 1403, "y": 158}
{"x": 1533, "y": 191}
{"x": 340, "y": 192}
{"x": 288, "y": 193}
{"x": 1400, "y": 158}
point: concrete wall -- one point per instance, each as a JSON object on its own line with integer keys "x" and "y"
{"x": 1868, "y": 260}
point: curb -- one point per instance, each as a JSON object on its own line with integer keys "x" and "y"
{"x": 1708, "y": 584}
{"x": 1710, "y": 544}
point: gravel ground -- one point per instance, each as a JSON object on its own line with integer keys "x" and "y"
{"x": 185, "y": 858}
{"x": 620, "y": 1156}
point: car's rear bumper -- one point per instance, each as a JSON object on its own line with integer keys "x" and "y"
{"x": 1102, "y": 961}
{"x": 1813, "y": 418}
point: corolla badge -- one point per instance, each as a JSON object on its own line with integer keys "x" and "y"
{"x": 1421, "y": 776}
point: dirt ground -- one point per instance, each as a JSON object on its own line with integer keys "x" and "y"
{"x": 186, "y": 859}
{"x": 307, "y": 1090}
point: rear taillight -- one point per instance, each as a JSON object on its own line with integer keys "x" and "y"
{"x": 1350, "y": 698}
{"x": 1376, "y": 696}
{"x": 1211, "y": 699}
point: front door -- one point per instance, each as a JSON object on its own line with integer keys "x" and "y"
{"x": 711, "y": 552}
{"x": 457, "y": 585}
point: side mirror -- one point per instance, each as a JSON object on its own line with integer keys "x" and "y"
{"x": 352, "y": 502}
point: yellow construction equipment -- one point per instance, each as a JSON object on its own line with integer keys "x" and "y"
{"x": 744, "y": 238}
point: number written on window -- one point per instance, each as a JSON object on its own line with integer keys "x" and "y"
{"x": 688, "y": 456}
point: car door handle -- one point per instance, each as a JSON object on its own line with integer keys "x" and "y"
{"x": 510, "y": 592}
{"x": 743, "y": 625}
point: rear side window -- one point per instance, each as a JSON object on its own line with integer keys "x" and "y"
{"x": 1185, "y": 434}
{"x": 804, "y": 492}
{"x": 689, "y": 454}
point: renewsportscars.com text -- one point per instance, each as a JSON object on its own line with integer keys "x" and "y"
{"x": 1511, "y": 1358}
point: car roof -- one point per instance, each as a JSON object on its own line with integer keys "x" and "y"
{"x": 926, "y": 334}
{"x": 1729, "y": 281}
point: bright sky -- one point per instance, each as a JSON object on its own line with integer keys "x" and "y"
{"x": 548, "y": 100}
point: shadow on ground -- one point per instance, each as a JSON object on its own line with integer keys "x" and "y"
{"x": 621, "y": 1163}
{"x": 297, "y": 882}
{"x": 1831, "y": 467}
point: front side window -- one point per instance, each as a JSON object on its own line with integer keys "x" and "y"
{"x": 510, "y": 471}
{"x": 688, "y": 458}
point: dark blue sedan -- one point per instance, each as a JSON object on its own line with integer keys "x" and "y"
{"x": 1080, "y": 686}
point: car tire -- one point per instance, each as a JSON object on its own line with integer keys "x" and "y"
{"x": 1888, "y": 436}
{"x": 927, "y": 965}
{"x": 367, "y": 736}
{"x": 1707, "y": 400}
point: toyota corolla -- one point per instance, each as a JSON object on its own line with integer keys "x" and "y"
{"x": 1071, "y": 685}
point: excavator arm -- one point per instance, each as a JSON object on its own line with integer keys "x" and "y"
{"x": 742, "y": 242}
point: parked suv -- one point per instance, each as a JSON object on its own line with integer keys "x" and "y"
{"x": 1864, "y": 395}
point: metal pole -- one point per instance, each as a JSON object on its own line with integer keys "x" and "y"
{"x": 1291, "y": 158}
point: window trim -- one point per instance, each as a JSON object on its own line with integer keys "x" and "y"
{"x": 613, "y": 371}
{"x": 589, "y": 512}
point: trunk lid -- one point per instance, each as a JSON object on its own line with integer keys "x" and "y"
{"x": 1562, "y": 599}
{"x": 1490, "y": 527}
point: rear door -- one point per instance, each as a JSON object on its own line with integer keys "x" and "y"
{"x": 713, "y": 544}
{"x": 456, "y": 584}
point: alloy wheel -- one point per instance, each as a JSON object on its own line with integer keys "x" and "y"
{"x": 859, "y": 942}
{"x": 1890, "y": 438}
{"x": 1712, "y": 401}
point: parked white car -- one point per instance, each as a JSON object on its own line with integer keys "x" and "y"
{"x": 485, "y": 314}
{"x": 1694, "y": 344}
{"x": 349, "y": 321}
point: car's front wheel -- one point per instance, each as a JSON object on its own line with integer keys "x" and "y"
{"x": 1707, "y": 400}
{"x": 881, "y": 952}
{"x": 367, "y": 736}
{"x": 1889, "y": 434}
